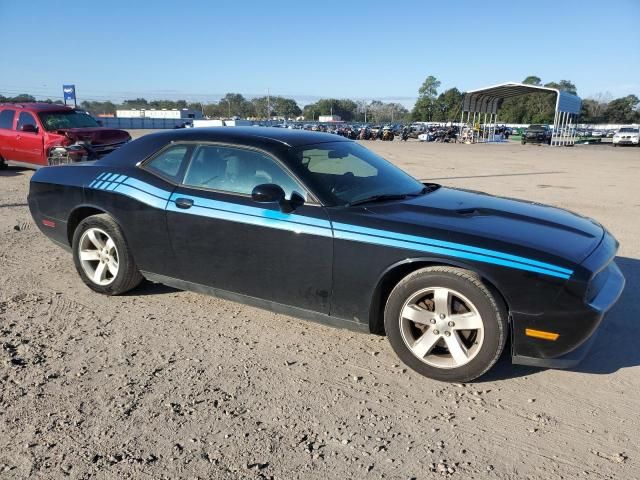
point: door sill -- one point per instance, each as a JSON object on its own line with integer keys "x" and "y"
{"x": 258, "y": 302}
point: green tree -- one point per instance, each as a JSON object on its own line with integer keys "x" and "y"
{"x": 97, "y": 108}
{"x": 235, "y": 105}
{"x": 424, "y": 109}
{"x": 534, "y": 107}
{"x": 346, "y": 109}
{"x": 533, "y": 80}
{"x": 135, "y": 103}
{"x": 623, "y": 110}
{"x": 279, "y": 106}
{"x": 448, "y": 105}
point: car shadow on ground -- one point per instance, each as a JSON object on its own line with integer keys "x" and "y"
{"x": 12, "y": 171}
{"x": 150, "y": 288}
{"x": 616, "y": 344}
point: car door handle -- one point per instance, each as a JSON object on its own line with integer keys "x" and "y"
{"x": 184, "y": 203}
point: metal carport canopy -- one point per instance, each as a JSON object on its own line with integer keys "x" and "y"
{"x": 489, "y": 99}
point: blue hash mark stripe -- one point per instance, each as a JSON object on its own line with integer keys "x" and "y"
{"x": 162, "y": 199}
{"x": 430, "y": 242}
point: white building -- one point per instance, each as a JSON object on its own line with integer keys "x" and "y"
{"x": 329, "y": 118}
{"x": 174, "y": 113}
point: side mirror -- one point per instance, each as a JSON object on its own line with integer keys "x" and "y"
{"x": 30, "y": 128}
{"x": 267, "y": 193}
{"x": 272, "y": 193}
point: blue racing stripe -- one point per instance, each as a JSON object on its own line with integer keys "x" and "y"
{"x": 162, "y": 199}
{"x": 254, "y": 211}
{"x": 145, "y": 187}
{"x": 141, "y": 196}
{"x": 441, "y": 243}
{"x": 357, "y": 237}
{"x": 253, "y": 220}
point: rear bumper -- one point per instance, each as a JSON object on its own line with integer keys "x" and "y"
{"x": 577, "y": 330}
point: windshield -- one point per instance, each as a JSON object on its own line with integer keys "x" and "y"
{"x": 345, "y": 172}
{"x": 537, "y": 127}
{"x": 66, "y": 119}
{"x": 628, "y": 130}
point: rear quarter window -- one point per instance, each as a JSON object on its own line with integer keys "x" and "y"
{"x": 168, "y": 163}
{"x": 6, "y": 118}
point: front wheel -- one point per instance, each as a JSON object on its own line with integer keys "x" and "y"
{"x": 102, "y": 256}
{"x": 446, "y": 324}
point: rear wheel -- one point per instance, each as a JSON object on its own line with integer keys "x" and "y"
{"x": 102, "y": 256}
{"x": 446, "y": 324}
{"x": 3, "y": 164}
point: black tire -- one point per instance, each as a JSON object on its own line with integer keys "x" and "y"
{"x": 3, "y": 164}
{"x": 523, "y": 141}
{"x": 489, "y": 306}
{"x": 128, "y": 276}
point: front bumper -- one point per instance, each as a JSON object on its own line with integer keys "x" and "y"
{"x": 576, "y": 329}
{"x": 626, "y": 141}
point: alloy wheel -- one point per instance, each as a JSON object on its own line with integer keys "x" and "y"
{"x": 98, "y": 256}
{"x": 441, "y": 327}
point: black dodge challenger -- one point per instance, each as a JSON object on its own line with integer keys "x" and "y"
{"x": 317, "y": 226}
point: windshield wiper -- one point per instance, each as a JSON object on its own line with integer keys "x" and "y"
{"x": 378, "y": 198}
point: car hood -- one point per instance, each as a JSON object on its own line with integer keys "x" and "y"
{"x": 494, "y": 222}
{"x": 95, "y": 135}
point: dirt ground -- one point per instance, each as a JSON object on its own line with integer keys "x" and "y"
{"x": 169, "y": 384}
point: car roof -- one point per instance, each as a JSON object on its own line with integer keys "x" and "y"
{"x": 40, "y": 107}
{"x": 284, "y": 136}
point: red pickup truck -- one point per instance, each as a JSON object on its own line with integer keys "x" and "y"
{"x": 35, "y": 135}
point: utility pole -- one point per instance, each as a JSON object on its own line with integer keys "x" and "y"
{"x": 268, "y": 105}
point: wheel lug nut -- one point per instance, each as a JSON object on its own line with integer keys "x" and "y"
{"x": 433, "y": 320}
{"x": 436, "y": 332}
{"x": 442, "y": 315}
{"x": 447, "y": 333}
{"x": 451, "y": 324}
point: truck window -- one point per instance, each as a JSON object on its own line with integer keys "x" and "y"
{"x": 6, "y": 118}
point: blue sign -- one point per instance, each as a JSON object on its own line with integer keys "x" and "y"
{"x": 69, "y": 93}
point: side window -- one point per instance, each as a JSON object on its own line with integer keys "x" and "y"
{"x": 26, "y": 118}
{"x": 167, "y": 163}
{"x": 322, "y": 161}
{"x": 6, "y": 118}
{"x": 236, "y": 170}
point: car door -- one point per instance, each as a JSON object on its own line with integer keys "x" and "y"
{"x": 28, "y": 144}
{"x": 223, "y": 239}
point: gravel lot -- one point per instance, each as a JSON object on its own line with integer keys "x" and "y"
{"x": 169, "y": 384}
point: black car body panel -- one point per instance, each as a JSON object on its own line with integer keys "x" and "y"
{"x": 553, "y": 269}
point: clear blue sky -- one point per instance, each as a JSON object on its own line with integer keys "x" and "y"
{"x": 199, "y": 50}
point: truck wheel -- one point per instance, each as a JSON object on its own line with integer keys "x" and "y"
{"x": 446, "y": 324}
{"x": 102, "y": 256}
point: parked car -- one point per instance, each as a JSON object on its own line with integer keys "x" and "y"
{"x": 34, "y": 135}
{"x": 537, "y": 134}
{"x": 317, "y": 226}
{"x": 627, "y": 136}
{"x": 598, "y": 133}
